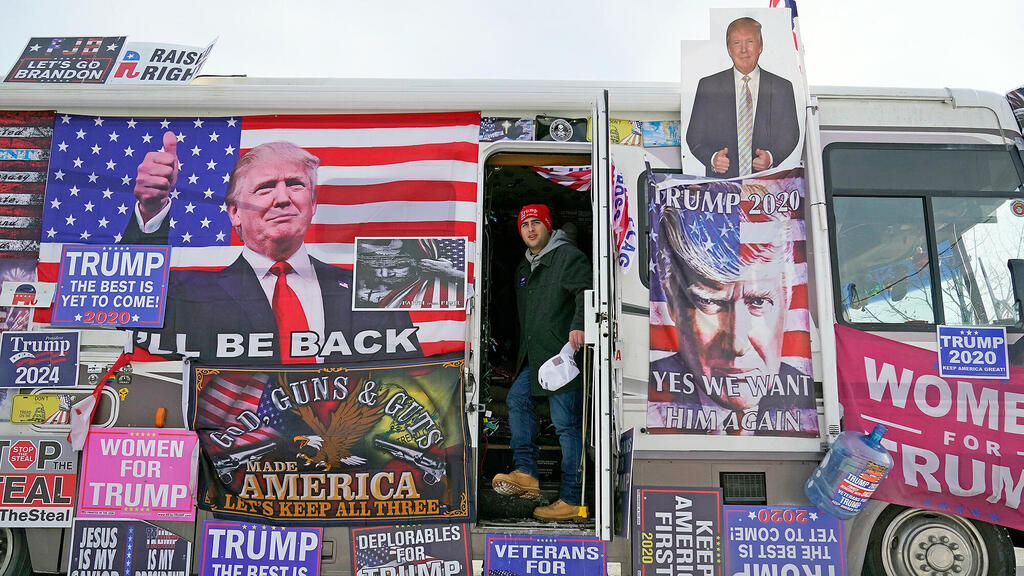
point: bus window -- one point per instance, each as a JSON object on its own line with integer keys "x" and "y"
{"x": 975, "y": 237}
{"x": 883, "y": 282}
{"x": 916, "y": 224}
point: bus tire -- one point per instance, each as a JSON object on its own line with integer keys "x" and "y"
{"x": 14, "y": 556}
{"x": 914, "y": 542}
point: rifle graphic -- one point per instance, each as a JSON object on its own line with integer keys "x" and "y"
{"x": 433, "y": 469}
{"x": 225, "y": 465}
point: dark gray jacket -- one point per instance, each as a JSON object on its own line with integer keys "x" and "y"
{"x": 550, "y": 302}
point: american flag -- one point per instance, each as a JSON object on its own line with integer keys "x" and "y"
{"x": 158, "y": 538}
{"x": 30, "y": 359}
{"x": 226, "y": 396}
{"x": 63, "y": 413}
{"x": 380, "y": 175}
{"x": 577, "y": 178}
{"x": 732, "y": 238}
{"x": 374, "y": 557}
{"x": 24, "y": 152}
{"x": 434, "y": 290}
{"x": 371, "y": 560}
{"x": 793, "y": 15}
{"x": 89, "y": 189}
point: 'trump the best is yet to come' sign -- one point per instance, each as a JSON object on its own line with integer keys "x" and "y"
{"x": 783, "y": 540}
{"x": 143, "y": 473}
{"x": 112, "y": 286}
{"x": 247, "y": 549}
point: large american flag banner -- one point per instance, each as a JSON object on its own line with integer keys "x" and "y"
{"x": 380, "y": 175}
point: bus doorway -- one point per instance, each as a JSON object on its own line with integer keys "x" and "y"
{"x": 511, "y": 181}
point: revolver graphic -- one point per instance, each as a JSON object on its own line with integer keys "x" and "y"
{"x": 433, "y": 469}
{"x": 225, "y": 465}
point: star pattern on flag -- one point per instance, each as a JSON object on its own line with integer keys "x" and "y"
{"x": 94, "y": 165}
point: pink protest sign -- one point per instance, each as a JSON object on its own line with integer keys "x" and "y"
{"x": 140, "y": 473}
{"x": 956, "y": 442}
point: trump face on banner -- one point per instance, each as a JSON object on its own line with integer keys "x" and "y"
{"x": 275, "y": 302}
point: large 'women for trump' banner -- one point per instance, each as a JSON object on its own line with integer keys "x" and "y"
{"x": 333, "y": 444}
{"x": 730, "y": 339}
{"x": 956, "y": 442}
{"x": 262, "y": 213}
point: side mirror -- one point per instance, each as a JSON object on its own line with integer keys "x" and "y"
{"x": 1017, "y": 277}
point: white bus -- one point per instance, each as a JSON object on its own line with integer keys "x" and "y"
{"x": 893, "y": 176}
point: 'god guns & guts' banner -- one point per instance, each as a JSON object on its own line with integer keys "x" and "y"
{"x": 333, "y": 444}
{"x": 141, "y": 473}
{"x": 730, "y": 340}
{"x": 955, "y": 442}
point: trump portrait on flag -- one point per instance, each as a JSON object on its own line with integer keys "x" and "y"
{"x": 730, "y": 347}
{"x": 274, "y": 303}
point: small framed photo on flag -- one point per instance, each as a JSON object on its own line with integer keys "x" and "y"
{"x": 410, "y": 274}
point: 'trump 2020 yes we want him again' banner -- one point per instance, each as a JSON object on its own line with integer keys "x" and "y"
{"x": 956, "y": 442}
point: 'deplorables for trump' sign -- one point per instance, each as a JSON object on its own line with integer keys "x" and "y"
{"x": 333, "y": 444}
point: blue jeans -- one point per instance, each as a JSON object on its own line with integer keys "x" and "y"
{"x": 567, "y": 416}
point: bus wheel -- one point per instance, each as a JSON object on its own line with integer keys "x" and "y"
{"x": 14, "y": 558}
{"x": 915, "y": 542}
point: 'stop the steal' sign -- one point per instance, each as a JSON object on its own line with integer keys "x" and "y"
{"x": 112, "y": 286}
{"x": 973, "y": 352}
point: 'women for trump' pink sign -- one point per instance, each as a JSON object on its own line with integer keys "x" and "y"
{"x": 141, "y": 473}
{"x": 956, "y": 442}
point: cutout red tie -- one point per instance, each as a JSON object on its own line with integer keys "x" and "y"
{"x": 288, "y": 313}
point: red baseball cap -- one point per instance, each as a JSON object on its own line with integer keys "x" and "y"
{"x": 538, "y": 211}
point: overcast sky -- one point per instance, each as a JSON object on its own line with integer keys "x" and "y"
{"x": 912, "y": 43}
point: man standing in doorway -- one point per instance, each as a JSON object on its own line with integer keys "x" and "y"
{"x": 551, "y": 281}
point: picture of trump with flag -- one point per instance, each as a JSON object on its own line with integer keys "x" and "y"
{"x": 275, "y": 303}
{"x": 730, "y": 347}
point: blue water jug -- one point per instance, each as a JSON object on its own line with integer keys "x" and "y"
{"x": 851, "y": 471}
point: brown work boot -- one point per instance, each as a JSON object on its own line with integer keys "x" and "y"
{"x": 516, "y": 483}
{"x": 557, "y": 512}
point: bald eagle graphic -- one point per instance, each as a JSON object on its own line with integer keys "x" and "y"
{"x": 327, "y": 447}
